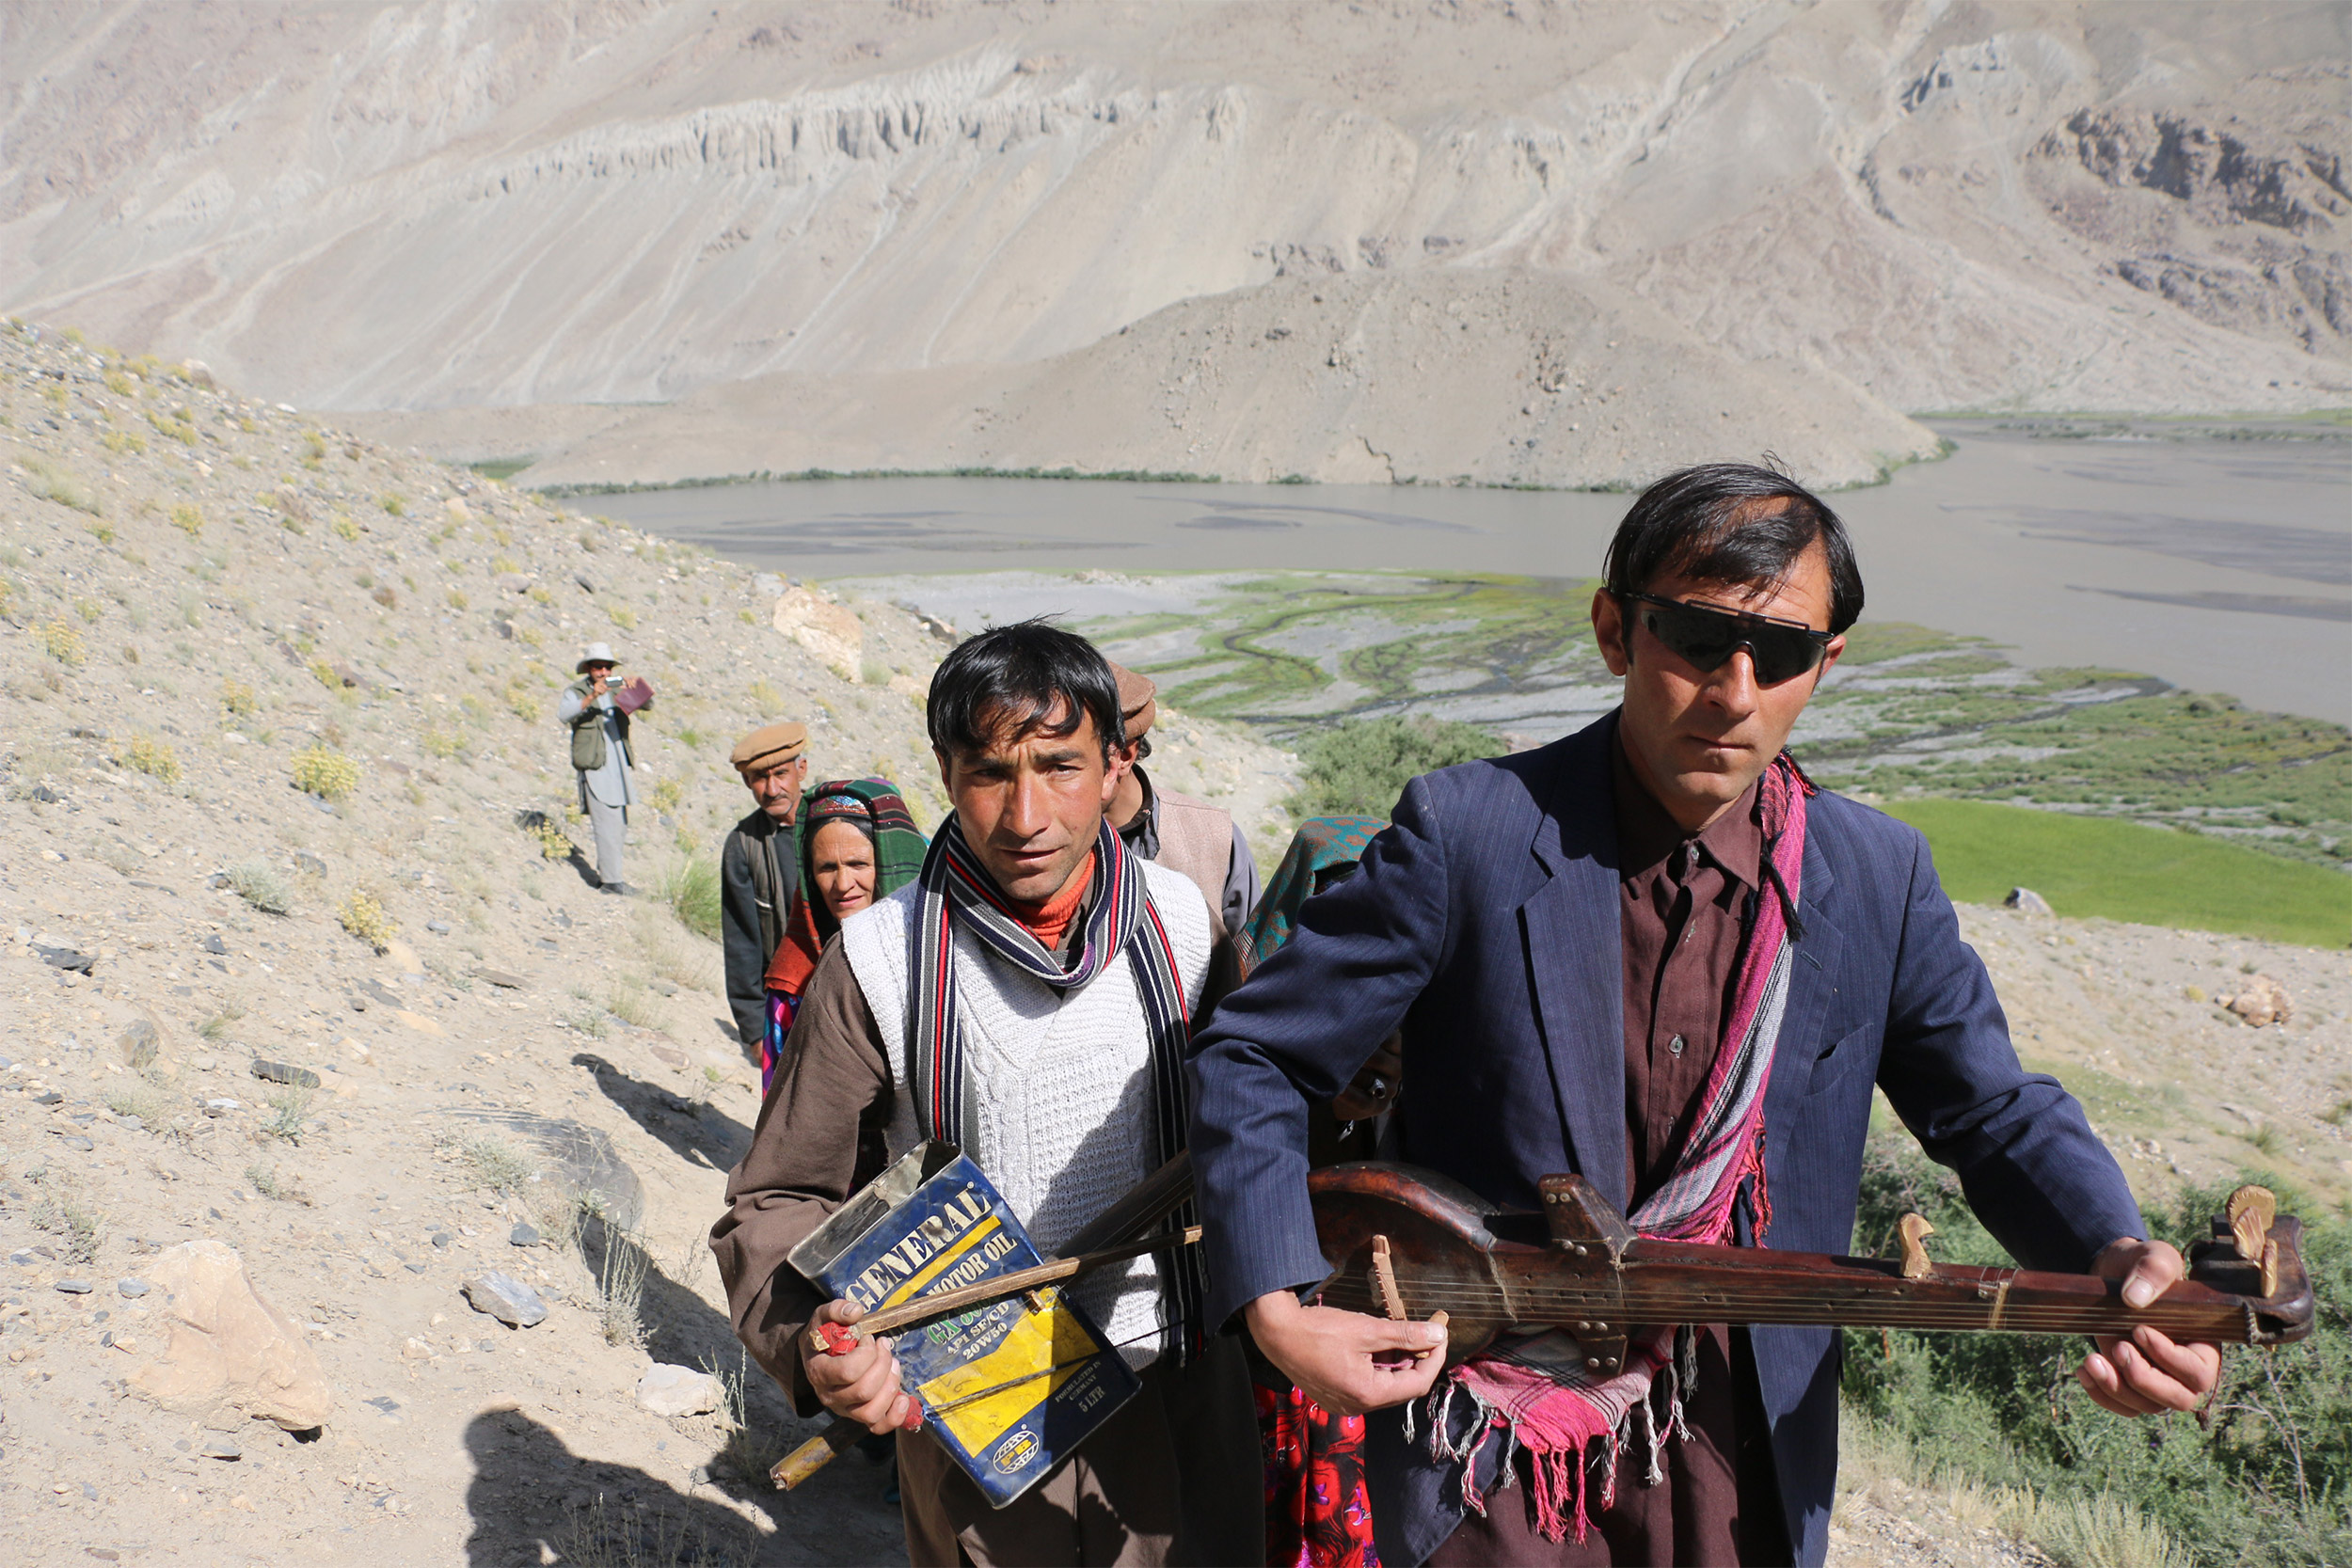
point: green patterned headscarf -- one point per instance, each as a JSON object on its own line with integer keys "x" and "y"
{"x": 876, "y": 805}
{"x": 1323, "y": 849}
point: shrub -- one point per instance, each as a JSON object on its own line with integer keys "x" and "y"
{"x": 386, "y": 597}
{"x": 396, "y": 505}
{"x": 187, "y": 518}
{"x": 52, "y": 482}
{"x": 122, "y": 440}
{"x": 237, "y": 697}
{"x": 63, "y": 640}
{"x": 666, "y": 796}
{"x": 1359, "y": 768}
{"x": 345, "y": 528}
{"x": 623, "y": 616}
{"x": 290, "y": 1110}
{"x": 691, "y": 888}
{"x": 259, "y": 885}
{"x": 447, "y": 743}
{"x": 2266, "y": 1481}
{"x": 151, "y": 757}
{"x": 364, "y": 916}
{"x": 326, "y": 772}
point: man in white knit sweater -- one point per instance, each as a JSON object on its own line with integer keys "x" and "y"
{"x": 1029, "y": 998}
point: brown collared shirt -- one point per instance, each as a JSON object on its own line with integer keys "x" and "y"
{"x": 1683, "y": 906}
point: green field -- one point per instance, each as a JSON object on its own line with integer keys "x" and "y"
{"x": 2087, "y": 866}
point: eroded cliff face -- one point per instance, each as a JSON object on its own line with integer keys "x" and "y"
{"x": 444, "y": 205}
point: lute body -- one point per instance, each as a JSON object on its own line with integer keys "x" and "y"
{"x": 1411, "y": 1243}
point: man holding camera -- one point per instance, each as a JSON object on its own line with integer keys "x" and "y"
{"x": 596, "y": 708}
{"x": 759, "y": 868}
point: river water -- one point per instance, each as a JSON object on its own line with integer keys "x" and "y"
{"x": 2218, "y": 565}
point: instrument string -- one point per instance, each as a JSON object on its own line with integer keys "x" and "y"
{"x": 1652, "y": 1307}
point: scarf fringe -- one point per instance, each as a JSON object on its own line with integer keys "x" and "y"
{"x": 1562, "y": 1486}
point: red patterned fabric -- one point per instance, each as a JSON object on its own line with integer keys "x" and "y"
{"x": 1318, "y": 1514}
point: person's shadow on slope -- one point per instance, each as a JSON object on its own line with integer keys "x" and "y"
{"x": 534, "y": 1500}
{"x": 696, "y": 1132}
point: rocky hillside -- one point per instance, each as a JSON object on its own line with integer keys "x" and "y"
{"x": 430, "y": 206}
{"x": 306, "y": 1035}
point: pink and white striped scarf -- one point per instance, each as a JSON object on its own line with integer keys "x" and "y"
{"x": 1532, "y": 1389}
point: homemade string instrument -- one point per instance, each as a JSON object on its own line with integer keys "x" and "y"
{"x": 1411, "y": 1244}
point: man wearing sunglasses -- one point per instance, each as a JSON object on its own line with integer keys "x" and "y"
{"x": 1653, "y": 953}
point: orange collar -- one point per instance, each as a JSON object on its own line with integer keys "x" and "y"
{"x": 1049, "y": 922}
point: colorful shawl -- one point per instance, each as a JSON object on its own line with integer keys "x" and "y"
{"x": 1120, "y": 918}
{"x": 1322, "y": 846}
{"x": 1533, "y": 1389}
{"x": 899, "y": 847}
{"x": 1318, "y": 1509}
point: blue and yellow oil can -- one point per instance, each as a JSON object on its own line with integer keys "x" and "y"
{"x": 1007, "y": 1389}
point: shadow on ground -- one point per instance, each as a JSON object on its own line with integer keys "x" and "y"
{"x": 696, "y": 1132}
{"x": 534, "y": 1500}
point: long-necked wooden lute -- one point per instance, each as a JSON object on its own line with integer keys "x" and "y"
{"x": 1410, "y": 1243}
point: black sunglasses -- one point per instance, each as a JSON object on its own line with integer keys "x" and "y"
{"x": 1705, "y": 637}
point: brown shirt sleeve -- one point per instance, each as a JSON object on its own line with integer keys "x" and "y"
{"x": 818, "y": 1139}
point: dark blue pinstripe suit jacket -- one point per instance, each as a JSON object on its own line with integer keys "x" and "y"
{"x": 1483, "y": 922}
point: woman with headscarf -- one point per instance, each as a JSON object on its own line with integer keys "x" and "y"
{"x": 1318, "y": 1512}
{"x": 858, "y": 845}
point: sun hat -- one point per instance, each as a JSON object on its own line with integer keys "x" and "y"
{"x": 598, "y": 652}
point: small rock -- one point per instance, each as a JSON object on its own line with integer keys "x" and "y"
{"x": 284, "y": 1072}
{"x": 309, "y": 863}
{"x": 221, "y": 1107}
{"x": 668, "y": 1056}
{"x": 414, "y": 1268}
{"x": 668, "y": 1390}
{"x": 45, "y": 795}
{"x": 213, "y": 945}
{"x": 22, "y": 1257}
{"x": 438, "y": 927}
{"x": 77, "y": 1143}
{"x": 500, "y": 978}
{"x": 74, "y": 1287}
{"x": 442, "y": 1239}
{"x": 134, "y": 1123}
{"x": 67, "y": 958}
{"x": 505, "y": 1298}
{"x": 221, "y": 1447}
{"x": 524, "y": 1234}
{"x": 228, "y": 1348}
{"x": 2026, "y": 901}
{"x": 49, "y": 1097}
{"x": 2261, "y": 1001}
{"x": 131, "y": 1288}
{"x": 139, "y": 1043}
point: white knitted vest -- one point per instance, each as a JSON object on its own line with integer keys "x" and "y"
{"x": 1058, "y": 1111}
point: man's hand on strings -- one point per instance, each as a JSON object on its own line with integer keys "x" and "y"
{"x": 862, "y": 1385}
{"x": 2146, "y": 1373}
{"x": 1346, "y": 1362}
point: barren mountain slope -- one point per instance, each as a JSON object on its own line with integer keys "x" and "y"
{"x": 435, "y": 205}
{"x": 202, "y": 599}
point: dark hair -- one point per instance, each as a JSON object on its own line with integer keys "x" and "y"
{"x": 1018, "y": 675}
{"x": 1718, "y": 523}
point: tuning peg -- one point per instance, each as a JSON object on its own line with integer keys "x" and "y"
{"x": 1915, "y": 1262}
{"x": 2250, "y": 1212}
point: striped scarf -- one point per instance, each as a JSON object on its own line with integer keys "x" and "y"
{"x": 1119, "y": 917}
{"x": 1533, "y": 1389}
